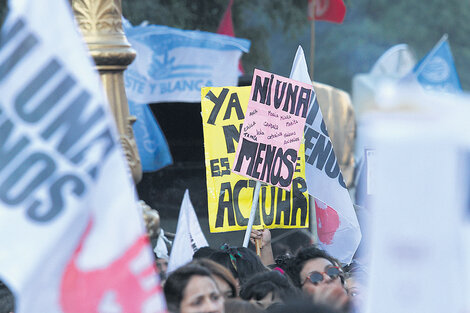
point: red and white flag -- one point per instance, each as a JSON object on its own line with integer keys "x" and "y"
{"x": 337, "y": 225}
{"x": 70, "y": 229}
{"x": 327, "y": 10}
{"x": 226, "y": 28}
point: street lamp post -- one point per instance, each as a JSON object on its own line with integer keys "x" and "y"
{"x": 100, "y": 22}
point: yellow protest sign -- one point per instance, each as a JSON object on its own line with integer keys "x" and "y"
{"x": 230, "y": 195}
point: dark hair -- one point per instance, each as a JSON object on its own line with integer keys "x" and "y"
{"x": 240, "y": 306}
{"x": 7, "y": 300}
{"x": 261, "y": 284}
{"x": 306, "y": 254}
{"x": 300, "y": 306}
{"x": 203, "y": 252}
{"x": 242, "y": 262}
{"x": 284, "y": 261}
{"x": 176, "y": 283}
{"x": 219, "y": 271}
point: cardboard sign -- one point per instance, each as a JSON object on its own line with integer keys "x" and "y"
{"x": 273, "y": 129}
{"x": 230, "y": 195}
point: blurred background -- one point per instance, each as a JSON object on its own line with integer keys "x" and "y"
{"x": 277, "y": 27}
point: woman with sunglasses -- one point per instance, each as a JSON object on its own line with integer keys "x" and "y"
{"x": 320, "y": 276}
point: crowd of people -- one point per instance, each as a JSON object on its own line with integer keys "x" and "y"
{"x": 235, "y": 279}
{"x": 302, "y": 278}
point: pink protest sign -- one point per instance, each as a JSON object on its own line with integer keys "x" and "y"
{"x": 273, "y": 128}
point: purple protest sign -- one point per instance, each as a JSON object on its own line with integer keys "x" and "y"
{"x": 273, "y": 129}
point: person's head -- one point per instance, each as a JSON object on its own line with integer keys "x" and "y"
{"x": 7, "y": 300}
{"x": 151, "y": 219}
{"x": 241, "y": 306}
{"x": 242, "y": 262}
{"x": 191, "y": 289}
{"x": 265, "y": 289}
{"x": 283, "y": 263}
{"x": 162, "y": 265}
{"x": 300, "y": 306}
{"x": 313, "y": 268}
{"x": 225, "y": 281}
{"x": 203, "y": 252}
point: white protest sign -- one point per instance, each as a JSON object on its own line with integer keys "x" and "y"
{"x": 418, "y": 209}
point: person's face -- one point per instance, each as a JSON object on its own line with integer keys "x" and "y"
{"x": 202, "y": 296}
{"x": 224, "y": 287}
{"x": 162, "y": 265}
{"x": 269, "y": 299}
{"x": 320, "y": 265}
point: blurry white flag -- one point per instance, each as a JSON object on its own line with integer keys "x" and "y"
{"x": 71, "y": 237}
{"x": 338, "y": 229}
{"x": 189, "y": 236}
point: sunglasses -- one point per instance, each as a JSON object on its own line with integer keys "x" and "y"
{"x": 316, "y": 277}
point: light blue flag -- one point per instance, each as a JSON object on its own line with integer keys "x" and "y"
{"x": 172, "y": 65}
{"x": 151, "y": 143}
{"x": 436, "y": 71}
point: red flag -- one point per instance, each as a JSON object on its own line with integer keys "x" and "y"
{"x": 327, "y": 10}
{"x": 226, "y": 28}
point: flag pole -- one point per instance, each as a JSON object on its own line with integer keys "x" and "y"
{"x": 313, "y": 211}
{"x": 254, "y": 206}
{"x": 312, "y": 41}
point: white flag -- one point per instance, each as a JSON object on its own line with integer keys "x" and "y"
{"x": 71, "y": 235}
{"x": 189, "y": 236}
{"x": 338, "y": 228}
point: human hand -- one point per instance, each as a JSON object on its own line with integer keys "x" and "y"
{"x": 261, "y": 234}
